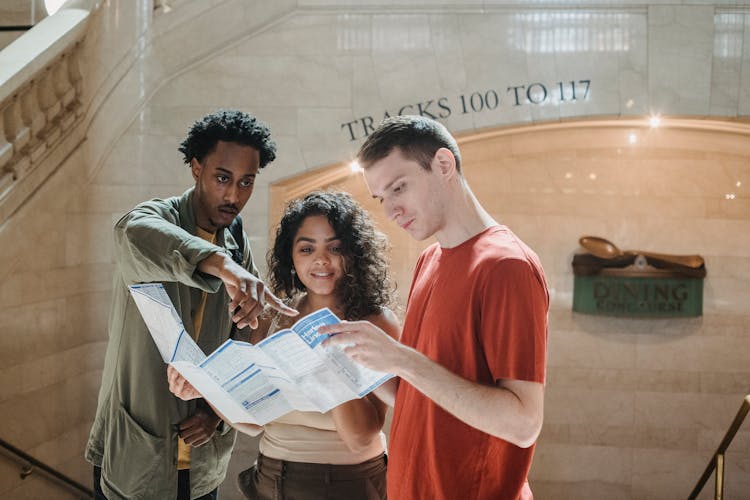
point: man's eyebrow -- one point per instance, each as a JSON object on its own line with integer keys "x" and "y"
{"x": 229, "y": 173}
{"x": 387, "y": 187}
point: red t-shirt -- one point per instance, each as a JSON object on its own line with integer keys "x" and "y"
{"x": 479, "y": 310}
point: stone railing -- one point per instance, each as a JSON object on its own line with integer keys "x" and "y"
{"x": 40, "y": 101}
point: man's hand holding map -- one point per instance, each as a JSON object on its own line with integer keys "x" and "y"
{"x": 290, "y": 370}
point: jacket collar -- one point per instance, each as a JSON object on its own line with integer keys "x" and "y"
{"x": 188, "y": 223}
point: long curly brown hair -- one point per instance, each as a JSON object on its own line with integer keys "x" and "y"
{"x": 366, "y": 287}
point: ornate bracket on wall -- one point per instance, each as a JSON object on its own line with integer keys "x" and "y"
{"x": 608, "y": 281}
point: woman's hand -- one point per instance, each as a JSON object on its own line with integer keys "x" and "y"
{"x": 181, "y": 387}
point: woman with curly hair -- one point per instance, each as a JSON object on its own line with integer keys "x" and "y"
{"x": 327, "y": 253}
{"x": 363, "y": 287}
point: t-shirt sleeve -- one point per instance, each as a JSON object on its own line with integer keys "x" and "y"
{"x": 514, "y": 305}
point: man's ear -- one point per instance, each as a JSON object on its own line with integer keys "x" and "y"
{"x": 444, "y": 162}
{"x": 195, "y": 168}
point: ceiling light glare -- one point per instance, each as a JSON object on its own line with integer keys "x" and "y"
{"x": 52, "y": 6}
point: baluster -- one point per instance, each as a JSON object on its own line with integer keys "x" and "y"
{"x": 6, "y": 151}
{"x": 64, "y": 91}
{"x": 18, "y": 134}
{"x": 76, "y": 77}
{"x": 33, "y": 117}
{"x": 6, "y": 145}
{"x": 16, "y": 131}
{"x": 50, "y": 106}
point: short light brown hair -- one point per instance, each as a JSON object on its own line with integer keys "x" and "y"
{"x": 418, "y": 138}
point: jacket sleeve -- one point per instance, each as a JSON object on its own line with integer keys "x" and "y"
{"x": 150, "y": 246}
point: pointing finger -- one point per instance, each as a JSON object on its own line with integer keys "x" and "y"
{"x": 276, "y": 303}
{"x": 261, "y": 294}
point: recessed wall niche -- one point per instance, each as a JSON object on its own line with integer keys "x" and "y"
{"x": 620, "y": 401}
{"x": 677, "y": 187}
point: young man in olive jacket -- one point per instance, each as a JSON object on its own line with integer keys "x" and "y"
{"x": 145, "y": 443}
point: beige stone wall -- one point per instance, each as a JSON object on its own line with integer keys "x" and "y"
{"x": 634, "y": 407}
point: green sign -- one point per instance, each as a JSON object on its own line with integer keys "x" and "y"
{"x": 638, "y": 296}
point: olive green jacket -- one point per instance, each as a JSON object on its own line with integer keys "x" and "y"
{"x": 133, "y": 438}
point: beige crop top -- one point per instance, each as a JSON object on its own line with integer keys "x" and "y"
{"x": 304, "y": 436}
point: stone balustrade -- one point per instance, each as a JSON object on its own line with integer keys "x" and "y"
{"x": 40, "y": 101}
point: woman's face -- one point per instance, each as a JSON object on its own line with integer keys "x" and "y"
{"x": 316, "y": 255}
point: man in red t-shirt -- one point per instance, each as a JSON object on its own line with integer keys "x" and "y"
{"x": 469, "y": 396}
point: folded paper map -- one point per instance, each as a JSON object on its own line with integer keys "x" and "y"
{"x": 290, "y": 370}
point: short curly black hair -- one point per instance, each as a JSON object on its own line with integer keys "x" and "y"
{"x": 229, "y": 125}
{"x": 366, "y": 287}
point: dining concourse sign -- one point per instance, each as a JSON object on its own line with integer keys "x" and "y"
{"x": 638, "y": 296}
{"x": 632, "y": 284}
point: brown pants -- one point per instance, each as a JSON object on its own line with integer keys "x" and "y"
{"x": 271, "y": 479}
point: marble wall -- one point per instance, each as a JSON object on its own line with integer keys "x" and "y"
{"x": 323, "y": 77}
{"x": 634, "y": 408}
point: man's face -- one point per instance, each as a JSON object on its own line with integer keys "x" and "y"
{"x": 410, "y": 195}
{"x": 223, "y": 183}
